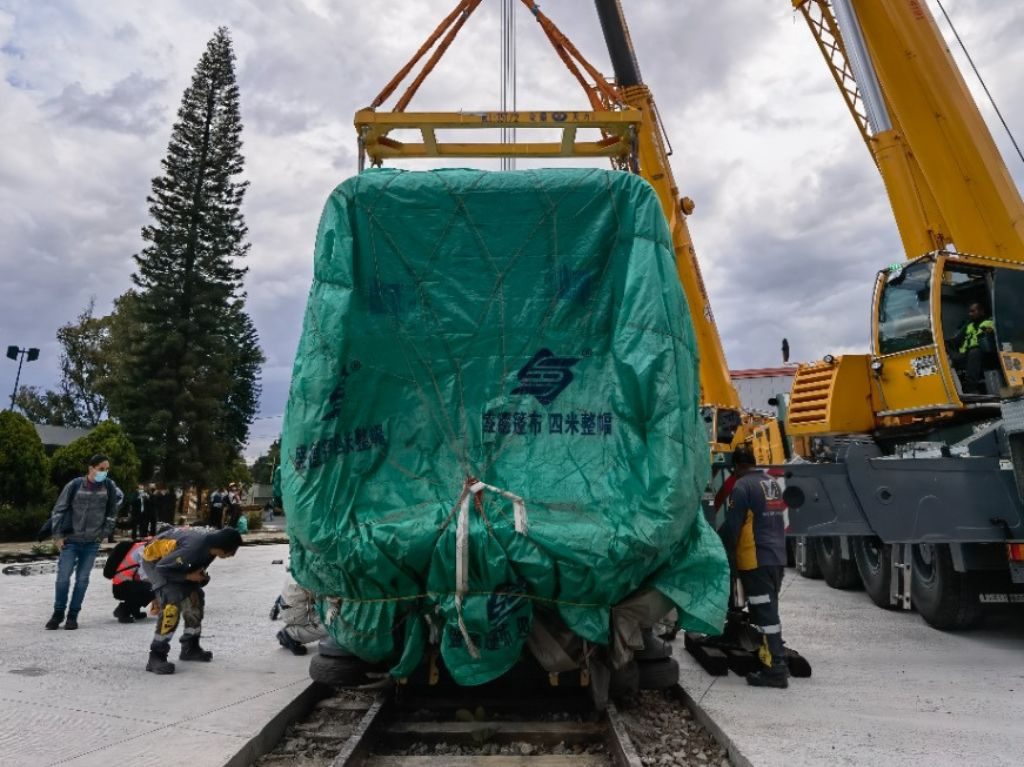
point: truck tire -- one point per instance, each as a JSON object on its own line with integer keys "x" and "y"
{"x": 946, "y": 599}
{"x": 838, "y": 573}
{"x": 874, "y": 564}
{"x": 654, "y": 648}
{"x": 810, "y": 568}
{"x": 343, "y": 672}
{"x": 658, "y": 674}
{"x": 625, "y": 681}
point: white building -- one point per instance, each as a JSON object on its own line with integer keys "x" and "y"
{"x": 759, "y": 385}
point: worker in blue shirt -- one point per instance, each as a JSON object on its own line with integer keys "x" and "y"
{"x": 754, "y": 534}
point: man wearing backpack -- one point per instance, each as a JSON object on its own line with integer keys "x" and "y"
{"x": 84, "y": 514}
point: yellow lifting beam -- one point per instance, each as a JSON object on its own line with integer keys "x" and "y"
{"x": 618, "y": 133}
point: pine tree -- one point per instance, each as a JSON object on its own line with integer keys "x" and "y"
{"x": 190, "y": 382}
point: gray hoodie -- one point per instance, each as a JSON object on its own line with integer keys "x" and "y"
{"x": 85, "y": 511}
{"x": 175, "y": 553}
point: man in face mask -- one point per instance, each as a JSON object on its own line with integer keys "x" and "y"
{"x": 84, "y": 514}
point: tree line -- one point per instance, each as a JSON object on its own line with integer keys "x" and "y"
{"x": 176, "y": 362}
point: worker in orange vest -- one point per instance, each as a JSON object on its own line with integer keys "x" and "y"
{"x": 128, "y": 583}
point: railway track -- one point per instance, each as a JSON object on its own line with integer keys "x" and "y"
{"x": 404, "y": 728}
{"x": 409, "y": 727}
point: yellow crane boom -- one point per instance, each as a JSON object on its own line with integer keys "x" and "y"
{"x": 960, "y": 219}
{"x": 945, "y": 178}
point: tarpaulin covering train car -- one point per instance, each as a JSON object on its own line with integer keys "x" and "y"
{"x": 493, "y": 422}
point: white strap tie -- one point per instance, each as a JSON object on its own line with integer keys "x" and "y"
{"x": 469, "y": 492}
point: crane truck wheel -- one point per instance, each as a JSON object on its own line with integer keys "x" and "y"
{"x": 808, "y": 568}
{"x": 838, "y": 573}
{"x": 874, "y": 564}
{"x": 946, "y": 599}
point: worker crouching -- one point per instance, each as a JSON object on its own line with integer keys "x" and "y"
{"x": 175, "y": 563}
{"x": 754, "y": 534}
{"x": 128, "y": 580}
{"x": 297, "y": 607}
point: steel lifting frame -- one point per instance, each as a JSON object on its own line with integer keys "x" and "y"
{"x": 617, "y": 122}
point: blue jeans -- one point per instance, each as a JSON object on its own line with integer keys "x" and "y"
{"x": 78, "y": 558}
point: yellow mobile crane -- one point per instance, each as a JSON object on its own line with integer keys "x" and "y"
{"x": 631, "y": 137}
{"x": 922, "y": 499}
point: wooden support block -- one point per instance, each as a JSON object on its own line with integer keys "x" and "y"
{"x": 550, "y": 733}
{"x": 741, "y": 662}
{"x": 711, "y": 659}
{"x": 545, "y": 760}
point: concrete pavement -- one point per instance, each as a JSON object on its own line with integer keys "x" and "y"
{"x": 886, "y": 689}
{"x": 83, "y": 698}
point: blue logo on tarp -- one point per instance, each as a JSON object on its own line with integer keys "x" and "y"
{"x": 545, "y": 376}
{"x": 337, "y": 396}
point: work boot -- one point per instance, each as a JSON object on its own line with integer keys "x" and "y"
{"x": 55, "y": 620}
{"x": 122, "y": 614}
{"x": 158, "y": 663}
{"x": 287, "y": 642}
{"x": 139, "y": 615}
{"x": 72, "y": 622}
{"x": 776, "y": 675}
{"x": 190, "y": 650}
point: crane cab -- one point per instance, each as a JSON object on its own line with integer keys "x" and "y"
{"x": 921, "y": 362}
{"x": 918, "y": 367}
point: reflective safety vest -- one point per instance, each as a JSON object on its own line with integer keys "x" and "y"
{"x": 130, "y": 567}
{"x": 973, "y": 332}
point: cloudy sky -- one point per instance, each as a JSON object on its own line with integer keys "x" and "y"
{"x": 791, "y": 220}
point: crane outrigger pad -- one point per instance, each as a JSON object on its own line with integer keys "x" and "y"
{"x": 493, "y": 421}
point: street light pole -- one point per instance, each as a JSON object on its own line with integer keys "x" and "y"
{"x": 14, "y": 353}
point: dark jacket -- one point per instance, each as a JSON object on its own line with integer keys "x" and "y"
{"x": 174, "y": 554}
{"x": 141, "y": 502}
{"x": 754, "y": 531}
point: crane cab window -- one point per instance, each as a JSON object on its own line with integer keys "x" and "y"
{"x": 962, "y": 287}
{"x": 904, "y": 311}
{"x": 1008, "y": 309}
{"x": 979, "y": 374}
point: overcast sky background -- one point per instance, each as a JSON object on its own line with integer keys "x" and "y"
{"x": 791, "y": 221}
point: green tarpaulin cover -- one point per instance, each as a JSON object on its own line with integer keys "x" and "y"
{"x": 494, "y": 412}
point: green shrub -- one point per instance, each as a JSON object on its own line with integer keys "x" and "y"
{"x": 108, "y": 439}
{"x": 255, "y": 520}
{"x": 23, "y": 464}
{"x": 21, "y": 524}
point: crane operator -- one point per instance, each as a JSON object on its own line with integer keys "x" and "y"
{"x": 968, "y": 350}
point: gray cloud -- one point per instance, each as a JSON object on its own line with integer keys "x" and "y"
{"x": 791, "y": 223}
{"x": 126, "y": 107}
